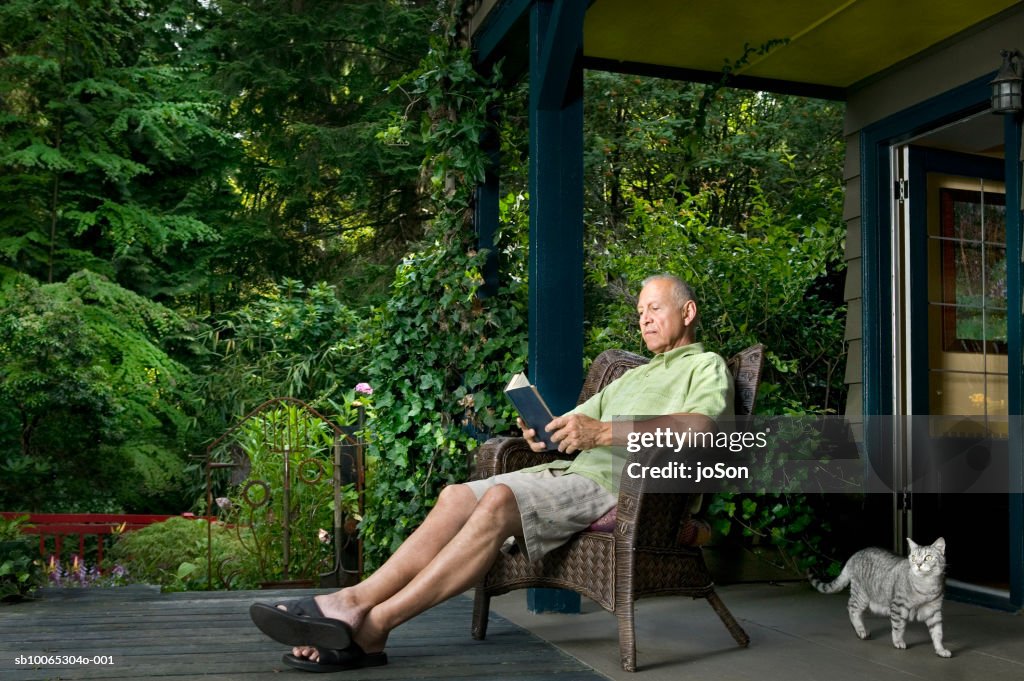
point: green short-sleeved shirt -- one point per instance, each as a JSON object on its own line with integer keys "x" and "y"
{"x": 686, "y": 380}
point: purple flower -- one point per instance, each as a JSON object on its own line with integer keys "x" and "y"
{"x": 364, "y": 389}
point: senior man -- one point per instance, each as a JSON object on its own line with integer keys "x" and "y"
{"x": 540, "y": 507}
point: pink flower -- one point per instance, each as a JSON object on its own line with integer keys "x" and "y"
{"x": 364, "y": 389}
{"x": 324, "y": 536}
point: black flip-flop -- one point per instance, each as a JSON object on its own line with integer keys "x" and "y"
{"x": 301, "y": 623}
{"x": 352, "y": 657}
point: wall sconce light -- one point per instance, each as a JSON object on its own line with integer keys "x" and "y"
{"x": 1006, "y": 86}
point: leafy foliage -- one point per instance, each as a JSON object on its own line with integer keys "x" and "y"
{"x": 86, "y": 361}
{"x": 441, "y": 352}
{"x": 21, "y": 571}
{"x": 256, "y": 507}
{"x": 293, "y": 341}
{"x": 328, "y": 182}
{"x": 109, "y": 152}
{"x": 173, "y": 554}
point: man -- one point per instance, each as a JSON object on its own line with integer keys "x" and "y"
{"x": 541, "y": 507}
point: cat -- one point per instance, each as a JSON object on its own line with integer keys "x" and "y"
{"x": 905, "y": 589}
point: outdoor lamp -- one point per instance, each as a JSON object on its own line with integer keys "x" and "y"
{"x": 1006, "y": 86}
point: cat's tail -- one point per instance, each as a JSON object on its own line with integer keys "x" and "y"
{"x": 835, "y": 586}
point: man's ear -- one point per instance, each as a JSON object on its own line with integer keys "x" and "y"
{"x": 689, "y": 312}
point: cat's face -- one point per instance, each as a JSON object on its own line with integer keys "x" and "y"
{"x": 927, "y": 560}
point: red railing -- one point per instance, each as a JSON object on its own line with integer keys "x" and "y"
{"x": 60, "y": 525}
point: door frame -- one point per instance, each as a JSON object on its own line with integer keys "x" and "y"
{"x": 876, "y": 198}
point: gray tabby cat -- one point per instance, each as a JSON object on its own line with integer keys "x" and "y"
{"x": 905, "y": 589}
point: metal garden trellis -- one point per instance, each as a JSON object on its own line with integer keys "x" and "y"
{"x": 346, "y": 464}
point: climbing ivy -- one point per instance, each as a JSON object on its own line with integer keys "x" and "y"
{"x": 441, "y": 351}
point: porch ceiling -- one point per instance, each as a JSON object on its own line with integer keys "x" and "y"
{"x": 832, "y": 43}
{"x": 822, "y": 46}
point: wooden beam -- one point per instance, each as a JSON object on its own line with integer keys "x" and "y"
{"x": 556, "y": 208}
{"x": 497, "y": 34}
{"x": 559, "y": 51}
{"x": 783, "y": 87}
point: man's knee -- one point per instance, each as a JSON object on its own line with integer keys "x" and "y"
{"x": 498, "y": 501}
{"x": 457, "y": 495}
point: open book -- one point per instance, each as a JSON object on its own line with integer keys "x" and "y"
{"x": 531, "y": 407}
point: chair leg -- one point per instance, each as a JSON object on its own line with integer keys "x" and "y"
{"x": 481, "y": 609}
{"x": 627, "y": 635}
{"x": 728, "y": 620}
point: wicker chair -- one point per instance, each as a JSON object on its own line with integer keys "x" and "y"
{"x": 643, "y": 556}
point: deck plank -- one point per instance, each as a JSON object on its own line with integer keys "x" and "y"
{"x": 209, "y": 636}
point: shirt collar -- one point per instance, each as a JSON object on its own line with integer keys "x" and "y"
{"x": 685, "y": 351}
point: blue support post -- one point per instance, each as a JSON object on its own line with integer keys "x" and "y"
{"x": 556, "y": 220}
{"x": 486, "y": 210}
{"x": 556, "y": 207}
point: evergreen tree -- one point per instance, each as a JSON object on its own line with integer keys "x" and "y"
{"x": 109, "y": 157}
{"x": 329, "y": 181}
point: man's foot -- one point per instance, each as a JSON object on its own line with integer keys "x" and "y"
{"x": 300, "y": 623}
{"x": 327, "y": 660}
{"x": 369, "y": 637}
{"x": 342, "y": 606}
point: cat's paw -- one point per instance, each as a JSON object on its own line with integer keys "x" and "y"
{"x": 942, "y": 652}
{"x": 899, "y": 644}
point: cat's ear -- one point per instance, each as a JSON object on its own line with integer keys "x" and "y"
{"x": 911, "y": 544}
{"x": 940, "y": 545}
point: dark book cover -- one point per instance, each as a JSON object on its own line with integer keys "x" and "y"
{"x": 531, "y": 407}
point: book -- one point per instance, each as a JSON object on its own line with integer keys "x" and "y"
{"x": 531, "y": 407}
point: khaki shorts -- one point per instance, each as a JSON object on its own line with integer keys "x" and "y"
{"x": 553, "y": 504}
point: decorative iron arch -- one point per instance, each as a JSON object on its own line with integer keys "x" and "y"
{"x": 314, "y": 453}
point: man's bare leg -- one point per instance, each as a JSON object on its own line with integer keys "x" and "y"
{"x": 454, "y": 506}
{"x": 457, "y": 566}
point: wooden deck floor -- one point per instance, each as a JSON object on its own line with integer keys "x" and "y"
{"x": 174, "y": 637}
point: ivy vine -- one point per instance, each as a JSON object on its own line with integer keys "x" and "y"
{"x": 441, "y": 352}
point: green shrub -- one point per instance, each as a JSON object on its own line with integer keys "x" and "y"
{"x": 173, "y": 554}
{"x": 21, "y": 570}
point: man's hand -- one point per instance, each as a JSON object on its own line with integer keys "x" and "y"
{"x": 576, "y": 432}
{"x": 529, "y": 434}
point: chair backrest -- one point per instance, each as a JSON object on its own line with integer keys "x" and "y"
{"x": 745, "y": 366}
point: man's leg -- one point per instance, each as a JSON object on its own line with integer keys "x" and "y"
{"x": 459, "y": 564}
{"x": 454, "y": 506}
{"x": 457, "y": 567}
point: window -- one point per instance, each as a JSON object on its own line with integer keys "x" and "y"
{"x": 973, "y": 247}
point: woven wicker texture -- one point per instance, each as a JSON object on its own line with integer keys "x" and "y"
{"x": 644, "y": 555}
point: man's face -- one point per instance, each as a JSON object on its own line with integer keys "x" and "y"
{"x": 663, "y": 323}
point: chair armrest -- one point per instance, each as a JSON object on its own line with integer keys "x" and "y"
{"x": 507, "y": 454}
{"x": 648, "y": 519}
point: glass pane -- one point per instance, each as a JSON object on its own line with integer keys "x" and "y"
{"x": 973, "y": 271}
